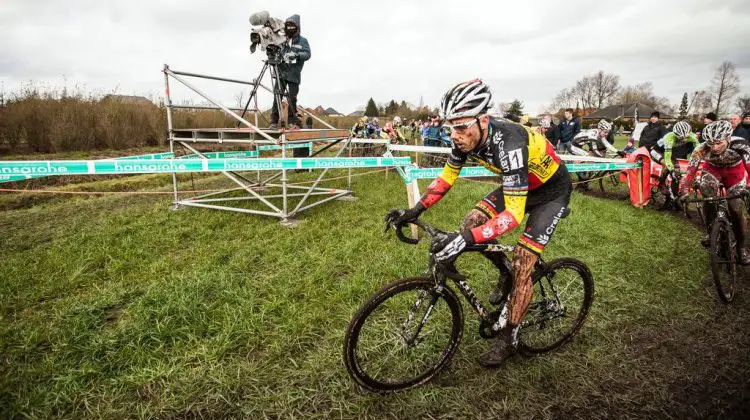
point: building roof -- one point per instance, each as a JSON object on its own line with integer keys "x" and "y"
{"x": 330, "y": 111}
{"x": 357, "y": 114}
{"x": 625, "y": 111}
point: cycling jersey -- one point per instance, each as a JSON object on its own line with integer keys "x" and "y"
{"x": 596, "y": 143}
{"x": 359, "y": 130}
{"x": 393, "y": 134}
{"x": 525, "y": 161}
{"x": 737, "y": 153}
{"x": 670, "y": 141}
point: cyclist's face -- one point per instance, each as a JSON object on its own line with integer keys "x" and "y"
{"x": 466, "y": 138}
{"x": 720, "y": 147}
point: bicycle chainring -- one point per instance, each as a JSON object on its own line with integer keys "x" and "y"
{"x": 485, "y": 327}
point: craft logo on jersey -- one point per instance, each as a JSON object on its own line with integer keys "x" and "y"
{"x": 512, "y": 181}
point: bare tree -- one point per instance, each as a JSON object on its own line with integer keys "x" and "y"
{"x": 500, "y": 108}
{"x": 725, "y": 84}
{"x": 584, "y": 92}
{"x": 644, "y": 93}
{"x": 239, "y": 98}
{"x": 702, "y": 104}
{"x": 743, "y": 103}
{"x": 564, "y": 99}
{"x": 606, "y": 86}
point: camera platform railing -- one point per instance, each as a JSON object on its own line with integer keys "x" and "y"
{"x": 275, "y": 194}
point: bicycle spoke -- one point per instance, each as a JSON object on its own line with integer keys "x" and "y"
{"x": 393, "y": 350}
{"x": 558, "y": 307}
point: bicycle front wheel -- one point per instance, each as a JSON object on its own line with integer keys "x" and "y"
{"x": 723, "y": 259}
{"x": 403, "y": 335}
{"x": 563, "y": 294}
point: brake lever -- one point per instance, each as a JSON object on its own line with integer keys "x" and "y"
{"x": 388, "y": 226}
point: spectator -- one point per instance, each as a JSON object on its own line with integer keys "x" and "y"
{"x": 652, "y": 132}
{"x": 629, "y": 147}
{"x": 431, "y": 133}
{"x": 739, "y": 131}
{"x": 295, "y": 52}
{"x": 709, "y": 118}
{"x": 309, "y": 122}
{"x": 551, "y": 132}
{"x": 568, "y": 128}
{"x": 746, "y": 121}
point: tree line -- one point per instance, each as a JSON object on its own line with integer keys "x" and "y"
{"x": 599, "y": 90}
{"x": 402, "y": 109}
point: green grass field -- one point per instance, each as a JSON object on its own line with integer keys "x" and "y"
{"x": 117, "y": 306}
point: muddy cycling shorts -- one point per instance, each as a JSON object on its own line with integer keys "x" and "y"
{"x": 545, "y": 206}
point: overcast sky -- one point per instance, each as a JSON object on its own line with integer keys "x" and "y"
{"x": 384, "y": 49}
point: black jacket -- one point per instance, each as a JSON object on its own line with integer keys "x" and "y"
{"x": 292, "y": 71}
{"x": 741, "y": 132}
{"x": 651, "y": 134}
{"x": 551, "y": 133}
{"x": 566, "y": 130}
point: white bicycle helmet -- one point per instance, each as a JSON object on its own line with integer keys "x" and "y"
{"x": 544, "y": 123}
{"x": 467, "y": 99}
{"x": 682, "y": 129}
{"x": 717, "y": 131}
{"x": 397, "y": 120}
{"x": 604, "y": 125}
{"x": 375, "y": 120}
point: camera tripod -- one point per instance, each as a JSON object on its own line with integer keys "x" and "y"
{"x": 272, "y": 66}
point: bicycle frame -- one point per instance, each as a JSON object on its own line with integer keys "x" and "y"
{"x": 440, "y": 275}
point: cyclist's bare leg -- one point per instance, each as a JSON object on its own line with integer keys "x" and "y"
{"x": 739, "y": 222}
{"x": 514, "y": 310}
{"x": 520, "y": 294}
{"x": 709, "y": 186}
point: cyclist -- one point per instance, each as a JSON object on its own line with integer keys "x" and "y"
{"x": 544, "y": 126}
{"x": 726, "y": 161}
{"x": 677, "y": 144}
{"x": 599, "y": 141}
{"x": 393, "y": 131}
{"x": 373, "y": 129}
{"x": 534, "y": 181}
{"x": 359, "y": 129}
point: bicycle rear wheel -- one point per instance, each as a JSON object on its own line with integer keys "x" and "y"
{"x": 723, "y": 259}
{"x": 403, "y": 335}
{"x": 563, "y": 294}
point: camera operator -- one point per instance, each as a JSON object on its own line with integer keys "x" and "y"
{"x": 295, "y": 51}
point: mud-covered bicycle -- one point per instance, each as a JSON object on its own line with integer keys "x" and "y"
{"x": 409, "y": 330}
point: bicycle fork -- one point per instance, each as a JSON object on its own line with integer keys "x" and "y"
{"x": 411, "y": 339}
